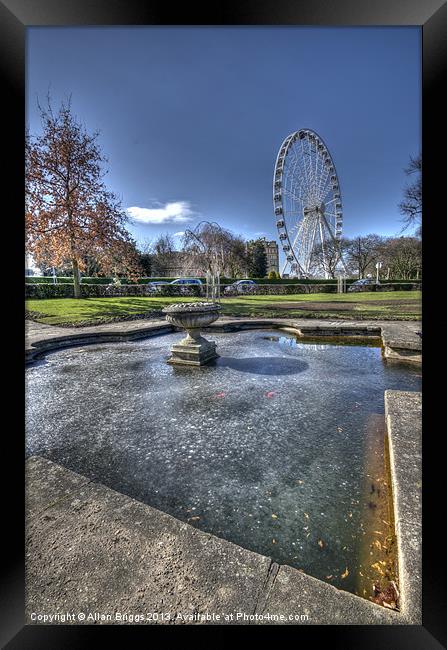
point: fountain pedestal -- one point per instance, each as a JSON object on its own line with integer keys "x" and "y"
{"x": 196, "y": 352}
{"x": 194, "y": 349}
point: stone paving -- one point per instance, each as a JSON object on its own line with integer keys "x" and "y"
{"x": 91, "y": 549}
{"x": 403, "y": 414}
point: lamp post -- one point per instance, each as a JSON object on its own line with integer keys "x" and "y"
{"x": 378, "y": 267}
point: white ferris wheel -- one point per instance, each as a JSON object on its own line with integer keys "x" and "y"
{"x": 307, "y": 203}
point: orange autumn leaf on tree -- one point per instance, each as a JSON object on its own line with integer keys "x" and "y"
{"x": 70, "y": 215}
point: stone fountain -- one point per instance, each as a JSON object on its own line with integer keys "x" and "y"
{"x": 194, "y": 349}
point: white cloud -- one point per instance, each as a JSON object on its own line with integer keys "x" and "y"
{"x": 175, "y": 212}
{"x": 179, "y": 234}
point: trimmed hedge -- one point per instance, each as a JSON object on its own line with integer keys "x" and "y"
{"x": 48, "y": 279}
{"x": 397, "y": 286}
{"x": 113, "y": 291}
{"x": 106, "y": 291}
{"x": 279, "y": 289}
{"x": 90, "y": 280}
{"x": 96, "y": 280}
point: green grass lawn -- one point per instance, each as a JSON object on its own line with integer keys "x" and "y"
{"x": 392, "y": 305}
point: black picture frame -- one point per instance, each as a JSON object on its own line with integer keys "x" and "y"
{"x": 15, "y": 17}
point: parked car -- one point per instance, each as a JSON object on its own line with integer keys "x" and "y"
{"x": 239, "y": 286}
{"x": 363, "y": 284}
{"x": 152, "y": 287}
{"x": 187, "y": 281}
{"x": 186, "y": 286}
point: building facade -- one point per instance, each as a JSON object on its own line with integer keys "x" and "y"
{"x": 272, "y": 252}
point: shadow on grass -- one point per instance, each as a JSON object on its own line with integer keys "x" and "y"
{"x": 96, "y": 310}
{"x": 92, "y": 309}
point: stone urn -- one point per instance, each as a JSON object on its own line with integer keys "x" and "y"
{"x": 194, "y": 349}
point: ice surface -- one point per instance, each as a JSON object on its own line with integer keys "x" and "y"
{"x": 264, "y": 448}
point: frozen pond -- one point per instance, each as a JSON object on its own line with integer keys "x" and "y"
{"x": 267, "y": 448}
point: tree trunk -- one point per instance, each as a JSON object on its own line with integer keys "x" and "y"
{"x": 76, "y": 278}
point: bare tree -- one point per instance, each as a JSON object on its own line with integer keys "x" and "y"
{"x": 70, "y": 214}
{"x": 163, "y": 254}
{"x": 402, "y": 257}
{"x": 362, "y": 252}
{"x": 210, "y": 248}
{"x": 327, "y": 258}
{"x": 411, "y": 206}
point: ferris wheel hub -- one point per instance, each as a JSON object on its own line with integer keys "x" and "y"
{"x": 317, "y": 209}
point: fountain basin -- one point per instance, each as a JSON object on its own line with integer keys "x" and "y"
{"x": 274, "y": 448}
{"x": 194, "y": 349}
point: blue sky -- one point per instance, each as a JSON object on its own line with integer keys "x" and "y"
{"x": 191, "y": 119}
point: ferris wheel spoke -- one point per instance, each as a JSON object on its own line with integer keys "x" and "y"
{"x": 311, "y": 173}
{"x": 294, "y": 196}
{"x": 327, "y": 188}
{"x": 322, "y": 191}
{"x": 327, "y": 172}
{"x": 315, "y": 167}
{"x": 290, "y": 173}
{"x": 319, "y": 173}
{"x": 304, "y": 163}
{"x": 299, "y": 243}
{"x": 308, "y": 248}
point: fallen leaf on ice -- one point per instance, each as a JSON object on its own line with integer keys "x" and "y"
{"x": 345, "y": 574}
{"x": 391, "y": 605}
